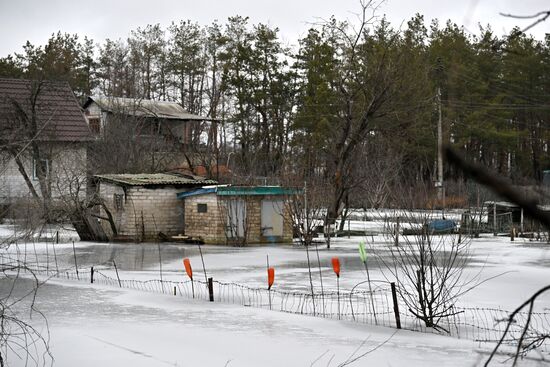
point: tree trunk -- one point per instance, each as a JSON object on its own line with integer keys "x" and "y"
{"x": 28, "y": 181}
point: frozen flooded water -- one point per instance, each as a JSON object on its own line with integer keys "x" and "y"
{"x": 489, "y": 257}
{"x": 102, "y": 325}
{"x": 245, "y": 265}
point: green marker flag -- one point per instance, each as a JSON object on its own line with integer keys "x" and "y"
{"x": 362, "y": 252}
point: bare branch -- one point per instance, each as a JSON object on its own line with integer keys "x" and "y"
{"x": 542, "y": 14}
{"x": 498, "y": 185}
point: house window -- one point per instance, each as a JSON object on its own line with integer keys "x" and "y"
{"x": 94, "y": 125}
{"x": 35, "y": 168}
{"x": 117, "y": 201}
{"x": 202, "y": 208}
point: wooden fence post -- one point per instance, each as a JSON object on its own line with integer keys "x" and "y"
{"x": 92, "y": 275}
{"x": 395, "y": 306}
{"x": 75, "y": 263}
{"x": 118, "y": 278}
{"x": 211, "y": 289}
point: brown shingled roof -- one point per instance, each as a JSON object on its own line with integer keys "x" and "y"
{"x": 58, "y": 114}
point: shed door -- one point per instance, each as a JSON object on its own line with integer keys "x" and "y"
{"x": 236, "y": 218}
{"x": 272, "y": 218}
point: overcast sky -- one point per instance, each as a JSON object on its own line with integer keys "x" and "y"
{"x": 36, "y": 20}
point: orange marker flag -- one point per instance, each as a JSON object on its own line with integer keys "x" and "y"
{"x": 270, "y": 277}
{"x": 336, "y": 266}
{"x": 188, "y": 268}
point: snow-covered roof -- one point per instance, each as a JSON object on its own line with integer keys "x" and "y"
{"x": 144, "y": 108}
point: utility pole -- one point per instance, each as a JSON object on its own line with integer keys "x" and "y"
{"x": 439, "y": 182}
{"x": 306, "y": 229}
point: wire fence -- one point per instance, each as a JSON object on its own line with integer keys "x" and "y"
{"x": 358, "y": 305}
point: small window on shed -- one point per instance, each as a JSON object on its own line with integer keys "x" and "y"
{"x": 202, "y": 208}
{"x": 118, "y": 201}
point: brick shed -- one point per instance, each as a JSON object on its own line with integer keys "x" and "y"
{"x": 144, "y": 205}
{"x": 238, "y": 215}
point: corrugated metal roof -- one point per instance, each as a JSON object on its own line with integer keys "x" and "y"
{"x": 241, "y": 191}
{"x": 501, "y": 203}
{"x": 58, "y": 114}
{"x": 152, "y": 179}
{"x": 144, "y": 108}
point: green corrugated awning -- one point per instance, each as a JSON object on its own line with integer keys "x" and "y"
{"x": 256, "y": 190}
{"x": 241, "y": 191}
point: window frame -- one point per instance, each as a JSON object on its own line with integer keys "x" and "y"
{"x": 202, "y": 208}
{"x": 118, "y": 202}
{"x": 94, "y": 126}
{"x": 34, "y": 175}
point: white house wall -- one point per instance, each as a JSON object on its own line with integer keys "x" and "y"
{"x": 67, "y": 172}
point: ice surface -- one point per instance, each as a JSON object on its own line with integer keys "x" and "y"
{"x": 101, "y": 325}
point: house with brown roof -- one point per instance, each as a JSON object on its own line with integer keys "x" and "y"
{"x": 150, "y": 135}
{"x": 151, "y": 117}
{"x": 43, "y": 141}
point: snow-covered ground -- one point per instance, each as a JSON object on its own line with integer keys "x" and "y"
{"x": 91, "y": 326}
{"x": 101, "y": 325}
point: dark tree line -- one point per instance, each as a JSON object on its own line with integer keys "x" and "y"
{"x": 349, "y": 101}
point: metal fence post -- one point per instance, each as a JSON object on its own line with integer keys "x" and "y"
{"x": 395, "y": 306}
{"x": 211, "y": 289}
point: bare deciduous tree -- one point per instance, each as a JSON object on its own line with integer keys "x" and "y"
{"x": 428, "y": 269}
{"x": 18, "y": 337}
{"x": 234, "y": 213}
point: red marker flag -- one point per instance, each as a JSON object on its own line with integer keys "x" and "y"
{"x": 188, "y": 268}
{"x": 336, "y": 266}
{"x": 270, "y": 277}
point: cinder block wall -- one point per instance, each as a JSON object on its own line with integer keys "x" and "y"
{"x": 211, "y": 225}
{"x": 145, "y": 211}
{"x": 254, "y": 218}
{"x": 106, "y": 193}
